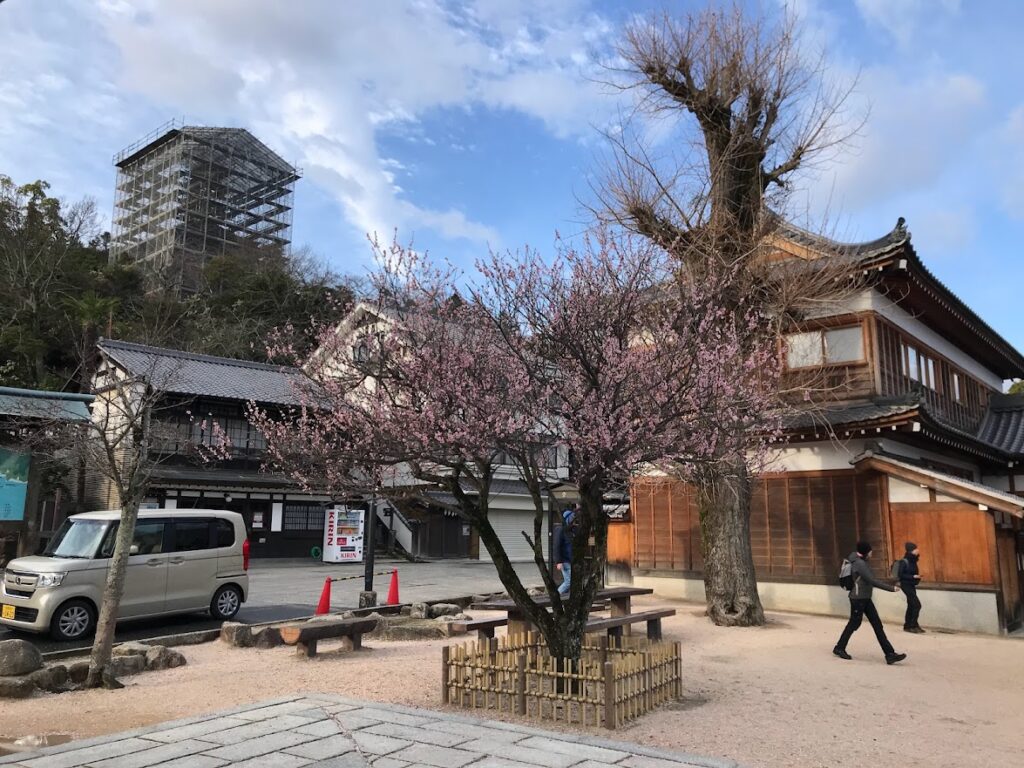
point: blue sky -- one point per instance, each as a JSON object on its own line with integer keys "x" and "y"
{"x": 473, "y": 125}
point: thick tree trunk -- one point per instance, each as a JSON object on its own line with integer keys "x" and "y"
{"x": 729, "y": 580}
{"x": 103, "y": 643}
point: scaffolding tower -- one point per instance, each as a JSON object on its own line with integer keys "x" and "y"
{"x": 186, "y": 193}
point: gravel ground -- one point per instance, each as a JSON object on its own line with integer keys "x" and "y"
{"x": 771, "y": 696}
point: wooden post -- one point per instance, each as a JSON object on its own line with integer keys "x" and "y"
{"x": 609, "y": 696}
{"x": 521, "y": 684}
{"x": 445, "y": 657}
{"x": 679, "y": 669}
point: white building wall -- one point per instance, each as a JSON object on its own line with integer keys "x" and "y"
{"x": 837, "y": 454}
{"x": 942, "y": 609}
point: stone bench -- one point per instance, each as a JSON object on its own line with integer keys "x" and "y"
{"x": 484, "y": 628}
{"x": 614, "y": 624}
{"x": 305, "y": 636}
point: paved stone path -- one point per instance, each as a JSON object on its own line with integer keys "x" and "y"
{"x": 335, "y": 732}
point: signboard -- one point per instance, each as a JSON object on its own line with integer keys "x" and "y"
{"x": 13, "y": 484}
{"x": 343, "y": 535}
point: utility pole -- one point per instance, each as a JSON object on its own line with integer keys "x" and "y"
{"x": 369, "y": 542}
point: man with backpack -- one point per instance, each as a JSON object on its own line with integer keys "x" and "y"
{"x": 856, "y": 576}
{"x": 905, "y": 572}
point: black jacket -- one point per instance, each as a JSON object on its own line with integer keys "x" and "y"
{"x": 863, "y": 579}
{"x": 907, "y": 571}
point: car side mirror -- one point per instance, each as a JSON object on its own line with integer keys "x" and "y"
{"x": 133, "y": 549}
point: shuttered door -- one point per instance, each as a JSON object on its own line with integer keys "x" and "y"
{"x": 509, "y": 526}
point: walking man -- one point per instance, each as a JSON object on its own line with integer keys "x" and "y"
{"x": 563, "y": 550}
{"x": 909, "y": 577}
{"x": 860, "y": 605}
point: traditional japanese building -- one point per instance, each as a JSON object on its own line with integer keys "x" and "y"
{"x": 915, "y": 442}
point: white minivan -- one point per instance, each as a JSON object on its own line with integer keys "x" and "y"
{"x": 181, "y": 561}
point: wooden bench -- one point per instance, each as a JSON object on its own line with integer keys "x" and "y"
{"x": 484, "y": 627}
{"x": 615, "y": 624}
{"x": 305, "y": 636}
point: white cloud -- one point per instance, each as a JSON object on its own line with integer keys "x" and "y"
{"x": 1010, "y": 151}
{"x": 320, "y": 83}
{"x": 903, "y": 18}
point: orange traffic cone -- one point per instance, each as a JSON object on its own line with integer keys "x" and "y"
{"x": 393, "y": 589}
{"x": 324, "y": 606}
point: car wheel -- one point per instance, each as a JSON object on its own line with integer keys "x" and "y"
{"x": 73, "y": 620}
{"x": 226, "y": 602}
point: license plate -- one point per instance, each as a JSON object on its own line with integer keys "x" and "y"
{"x": 7, "y": 612}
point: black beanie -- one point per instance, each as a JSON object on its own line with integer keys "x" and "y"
{"x": 910, "y": 547}
{"x": 863, "y": 548}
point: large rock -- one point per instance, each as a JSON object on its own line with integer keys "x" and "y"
{"x": 78, "y": 671}
{"x": 419, "y": 611}
{"x": 19, "y": 657}
{"x": 405, "y": 628}
{"x": 159, "y": 657}
{"x": 53, "y": 679}
{"x": 16, "y": 687}
{"x": 267, "y": 637}
{"x": 122, "y": 666}
{"x": 444, "y": 609}
{"x": 236, "y": 634}
{"x": 130, "y": 649}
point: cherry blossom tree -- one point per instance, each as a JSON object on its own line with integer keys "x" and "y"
{"x": 603, "y": 352}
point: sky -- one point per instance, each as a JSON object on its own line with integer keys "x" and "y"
{"x": 468, "y": 126}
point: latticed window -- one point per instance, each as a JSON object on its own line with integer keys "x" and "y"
{"x": 303, "y": 517}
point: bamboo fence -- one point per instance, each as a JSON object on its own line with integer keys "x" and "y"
{"x": 616, "y": 680}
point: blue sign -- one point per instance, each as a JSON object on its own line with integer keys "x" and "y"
{"x": 13, "y": 484}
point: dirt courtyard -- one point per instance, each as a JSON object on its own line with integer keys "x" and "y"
{"x": 767, "y": 697}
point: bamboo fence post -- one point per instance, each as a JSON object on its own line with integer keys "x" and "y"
{"x": 445, "y": 657}
{"x": 609, "y": 696}
{"x": 521, "y": 684}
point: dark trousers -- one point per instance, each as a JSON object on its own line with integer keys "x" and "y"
{"x": 913, "y": 606}
{"x": 858, "y": 610}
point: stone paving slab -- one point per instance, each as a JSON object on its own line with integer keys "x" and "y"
{"x": 330, "y": 731}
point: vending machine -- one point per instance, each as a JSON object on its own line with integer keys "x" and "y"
{"x": 343, "y": 535}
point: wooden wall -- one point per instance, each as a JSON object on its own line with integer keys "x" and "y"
{"x": 620, "y": 543}
{"x": 802, "y": 524}
{"x": 957, "y": 541}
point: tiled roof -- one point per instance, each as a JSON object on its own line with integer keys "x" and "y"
{"x": 39, "y": 404}
{"x": 848, "y": 414}
{"x": 899, "y": 236}
{"x": 1003, "y": 425}
{"x": 187, "y": 373}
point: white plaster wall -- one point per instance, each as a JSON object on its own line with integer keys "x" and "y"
{"x": 902, "y": 492}
{"x": 941, "y": 609}
{"x": 812, "y": 457}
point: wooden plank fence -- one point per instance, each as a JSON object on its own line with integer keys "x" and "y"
{"x": 615, "y": 680}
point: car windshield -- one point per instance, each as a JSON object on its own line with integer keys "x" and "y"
{"x": 77, "y": 538}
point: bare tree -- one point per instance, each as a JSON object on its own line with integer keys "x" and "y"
{"x": 752, "y": 111}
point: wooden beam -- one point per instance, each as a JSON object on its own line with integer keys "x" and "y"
{"x": 945, "y": 487}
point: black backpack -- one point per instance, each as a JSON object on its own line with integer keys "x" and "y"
{"x": 846, "y": 575}
{"x": 895, "y": 568}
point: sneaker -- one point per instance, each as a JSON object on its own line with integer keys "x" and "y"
{"x": 837, "y": 651}
{"x": 895, "y": 658}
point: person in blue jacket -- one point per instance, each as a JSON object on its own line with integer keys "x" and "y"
{"x": 563, "y": 549}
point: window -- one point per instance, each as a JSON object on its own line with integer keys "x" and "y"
{"x": 909, "y": 362}
{"x": 844, "y": 345}
{"x": 803, "y": 350}
{"x": 148, "y": 538}
{"x": 225, "y": 533}
{"x": 190, "y": 535}
{"x": 928, "y": 368}
{"x": 834, "y": 346}
{"x": 956, "y": 387}
{"x": 303, "y": 517}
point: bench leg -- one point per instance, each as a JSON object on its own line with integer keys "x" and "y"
{"x": 485, "y": 634}
{"x": 615, "y": 632}
{"x": 352, "y": 642}
{"x": 654, "y": 629}
{"x": 307, "y": 650}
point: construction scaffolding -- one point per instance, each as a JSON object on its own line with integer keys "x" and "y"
{"x": 186, "y": 193}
